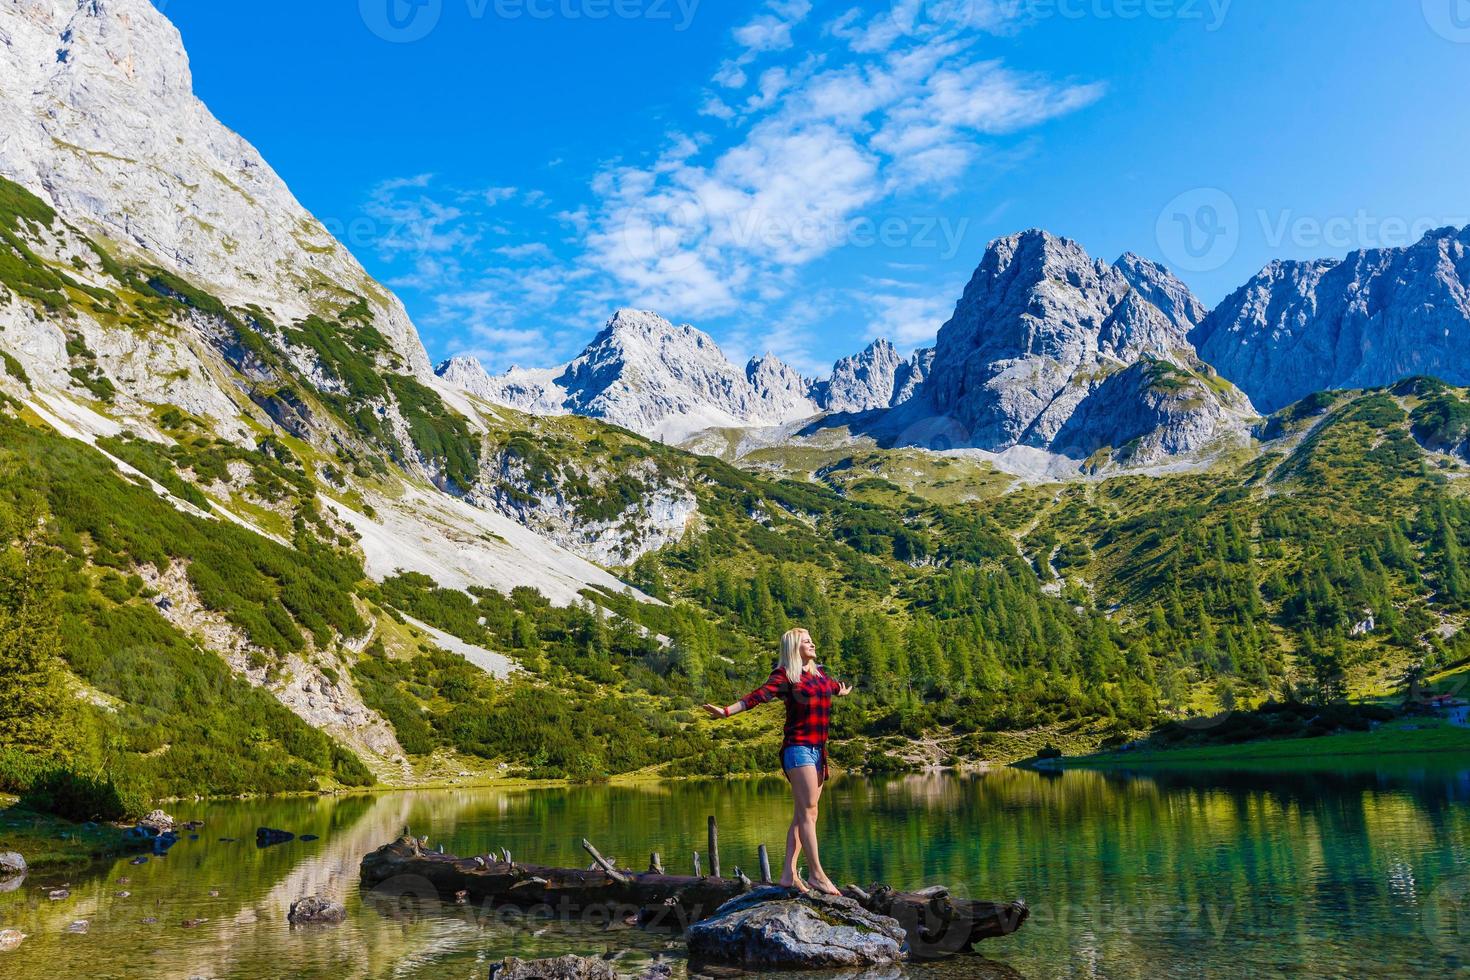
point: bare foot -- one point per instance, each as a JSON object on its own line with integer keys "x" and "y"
{"x": 794, "y": 882}
{"x": 825, "y": 886}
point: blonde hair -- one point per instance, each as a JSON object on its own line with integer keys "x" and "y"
{"x": 791, "y": 653}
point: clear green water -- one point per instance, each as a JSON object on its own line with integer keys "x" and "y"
{"x": 1353, "y": 874}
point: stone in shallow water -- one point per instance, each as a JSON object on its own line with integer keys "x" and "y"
{"x": 316, "y": 911}
{"x": 11, "y": 864}
{"x": 10, "y": 939}
{"x": 560, "y": 968}
{"x": 769, "y": 927}
{"x": 158, "y": 822}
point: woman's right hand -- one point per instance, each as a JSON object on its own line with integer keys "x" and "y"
{"x": 716, "y": 711}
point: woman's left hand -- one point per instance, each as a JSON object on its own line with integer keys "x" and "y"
{"x": 843, "y": 690}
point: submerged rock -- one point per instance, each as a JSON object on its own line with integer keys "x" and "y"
{"x": 560, "y": 968}
{"x": 11, "y": 939}
{"x": 12, "y": 864}
{"x": 266, "y": 837}
{"x": 772, "y": 927}
{"x": 79, "y": 927}
{"x": 316, "y": 911}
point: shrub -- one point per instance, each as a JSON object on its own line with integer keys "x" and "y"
{"x": 19, "y": 770}
{"x": 80, "y": 797}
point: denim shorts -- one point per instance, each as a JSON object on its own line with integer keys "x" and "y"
{"x": 797, "y": 756}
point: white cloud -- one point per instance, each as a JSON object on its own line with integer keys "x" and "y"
{"x": 771, "y": 29}
{"x": 412, "y": 223}
{"x": 709, "y": 228}
{"x": 527, "y": 250}
{"x": 822, "y": 130}
{"x": 497, "y": 195}
{"x": 908, "y": 321}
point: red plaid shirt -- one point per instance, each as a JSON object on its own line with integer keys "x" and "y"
{"x": 808, "y": 707}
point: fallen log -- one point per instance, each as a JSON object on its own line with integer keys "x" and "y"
{"x": 937, "y": 924}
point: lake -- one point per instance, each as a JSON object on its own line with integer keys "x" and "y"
{"x": 1358, "y": 872}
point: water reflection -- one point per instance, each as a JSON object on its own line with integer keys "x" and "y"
{"x": 1143, "y": 874}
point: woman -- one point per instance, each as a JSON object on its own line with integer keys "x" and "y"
{"x": 807, "y": 690}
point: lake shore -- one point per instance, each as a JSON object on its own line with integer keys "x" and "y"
{"x": 1397, "y": 740}
{"x": 50, "y": 843}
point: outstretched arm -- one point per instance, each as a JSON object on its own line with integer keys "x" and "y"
{"x": 768, "y": 691}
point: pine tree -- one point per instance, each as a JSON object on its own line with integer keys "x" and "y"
{"x": 36, "y": 714}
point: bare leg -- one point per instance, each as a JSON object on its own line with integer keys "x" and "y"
{"x": 789, "y": 877}
{"x": 806, "y": 785}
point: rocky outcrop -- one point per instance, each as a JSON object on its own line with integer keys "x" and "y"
{"x": 771, "y": 928}
{"x": 98, "y": 115}
{"x": 864, "y": 381}
{"x": 781, "y": 390}
{"x": 1042, "y": 328}
{"x": 1151, "y": 411}
{"x": 1372, "y": 319}
{"x": 565, "y": 501}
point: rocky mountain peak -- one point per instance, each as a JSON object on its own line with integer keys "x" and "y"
{"x": 1160, "y": 287}
{"x": 1042, "y": 326}
{"x": 1370, "y": 319}
{"x": 864, "y": 381}
{"x": 463, "y": 371}
{"x": 781, "y": 389}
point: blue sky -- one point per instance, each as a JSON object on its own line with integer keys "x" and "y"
{"x": 804, "y": 176}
